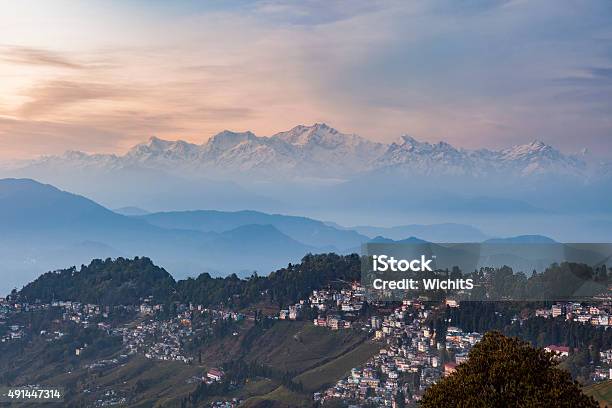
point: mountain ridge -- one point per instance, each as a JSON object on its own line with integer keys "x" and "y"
{"x": 45, "y": 228}
{"x": 306, "y": 230}
{"x": 319, "y": 150}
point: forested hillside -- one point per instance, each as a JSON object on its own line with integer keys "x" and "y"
{"x": 127, "y": 281}
{"x": 108, "y": 282}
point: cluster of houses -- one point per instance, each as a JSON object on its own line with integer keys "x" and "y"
{"x": 411, "y": 356}
{"x": 409, "y": 361}
{"x": 600, "y": 315}
{"x": 151, "y": 337}
{"x": 233, "y": 403}
{"x": 412, "y": 359}
{"x": 85, "y": 315}
{"x": 335, "y": 308}
{"x": 348, "y": 299}
{"x": 14, "y": 332}
{"x": 334, "y": 322}
{"x": 158, "y": 340}
{"x": 110, "y": 398}
{"x": 293, "y": 313}
{"x": 596, "y": 315}
{"x": 163, "y": 339}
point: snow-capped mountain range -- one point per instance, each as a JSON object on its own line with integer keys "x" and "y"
{"x": 319, "y": 151}
{"x": 535, "y": 158}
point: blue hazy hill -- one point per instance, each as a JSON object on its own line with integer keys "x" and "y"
{"x": 43, "y": 228}
{"x": 306, "y": 230}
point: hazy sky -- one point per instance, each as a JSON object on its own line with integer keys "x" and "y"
{"x": 103, "y": 75}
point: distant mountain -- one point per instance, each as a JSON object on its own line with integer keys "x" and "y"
{"x": 537, "y": 157}
{"x": 313, "y": 149}
{"x": 323, "y": 152}
{"x": 131, "y": 211}
{"x": 522, "y": 239}
{"x": 408, "y": 154}
{"x": 44, "y": 228}
{"x": 306, "y": 230}
{"x": 28, "y": 205}
{"x": 532, "y": 159}
{"x": 321, "y": 147}
{"x": 320, "y": 170}
{"x": 116, "y": 181}
{"x": 410, "y": 240}
{"x": 258, "y": 244}
{"x": 523, "y": 253}
{"x": 447, "y": 232}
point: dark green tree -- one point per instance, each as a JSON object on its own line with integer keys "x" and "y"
{"x": 507, "y": 372}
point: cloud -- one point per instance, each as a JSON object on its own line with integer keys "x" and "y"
{"x": 588, "y": 77}
{"x": 46, "y": 138}
{"x": 602, "y": 72}
{"x": 55, "y": 95}
{"x": 36, "y": 56}
{"x": 477, "y": 73}
{"x": 315, "y": 12}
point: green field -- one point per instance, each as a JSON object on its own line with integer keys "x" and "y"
{"x": 299, "y": 346}
{"x": 281, "y": 397}
{"x": 602, "y": 392}
{"x": 315, "y": 356}
{"x": 330, "y": 372}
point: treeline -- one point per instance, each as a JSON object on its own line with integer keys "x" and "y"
{"x": 103, "y": 282}
{"x": 585, "y": 341}
{"x": 559, "y": 281}
{"x": 542, "y": 332}
{"x": 485, "y": 316}
{"x": 128, "y": 281}
{"x": 284, "y": 286}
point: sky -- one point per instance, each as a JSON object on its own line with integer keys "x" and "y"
{"x": 102, "y": 76}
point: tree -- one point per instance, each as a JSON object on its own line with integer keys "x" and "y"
{"x": 400, "y": 399}
{"x": 507, "y": 372}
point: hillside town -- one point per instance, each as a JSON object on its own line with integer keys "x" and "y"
{"x": 148, "y": 335}
{"x": 410, "y": 359}
{"x": 411, "y": 356}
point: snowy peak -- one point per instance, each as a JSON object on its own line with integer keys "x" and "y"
{"x": 228, "y": 139}
{"x": 74, "y": 155}
{"x": 319, "y": 134}
{"x": 535, "y": 158}
{"x": 410, "y": 144}
{"x": 153, "y": 145}
{"x": 412, "y": 156}
{"x": 539, "y": 158}
{"x": 533, "y": 149}
{"x": 323, "y": 136}
{"x": 320, "y": 151}
{"x": 156, "y": 147}
{"x": 406, "y": 143}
